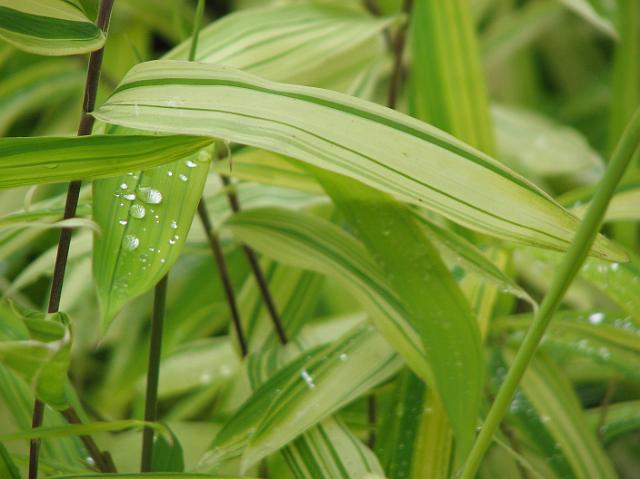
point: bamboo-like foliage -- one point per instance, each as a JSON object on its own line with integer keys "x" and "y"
{"x": 418, "y": 188}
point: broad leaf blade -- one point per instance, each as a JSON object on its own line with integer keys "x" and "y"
{"x": 442, "y": 318}
{"x": 380, "y": 147}
{"x": 48, "y": 27}
{"x": 36, "y": 160}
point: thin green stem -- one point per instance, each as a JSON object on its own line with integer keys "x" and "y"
{"x": 86, "y": 125}
{"x": 153, "y": 373}
{"x": 565, "y": 274}
{"x": 197, "y": 23}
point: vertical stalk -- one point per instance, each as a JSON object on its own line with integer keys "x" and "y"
{"x": 398, "y": 50}
{"x": 153, "y": 373}
{"x": 214, "y": 240}
{"x": 73, "y": 191}
{"x": 569, "y": 267}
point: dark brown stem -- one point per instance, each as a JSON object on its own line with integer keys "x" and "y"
{"x": 216, "y": 249}
{"x": 263, "y": 285}
{"x": 153, "y": 373}
{"x": 372, "y": 417}
{"x": 101, "y": 459}
{"x": 374, "y": 9}
{"x": 398, "y": 50}
{"x": 73, "y": 191}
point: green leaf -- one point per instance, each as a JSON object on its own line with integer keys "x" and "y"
{"x": 442, "y": 318}
{"x": 330, "y": 449}
{"x": 145, "y": 219}
{"x": 167, "y": 455}
{"x": 38, "y": 347}
{"x": 303, "y": 393}
{"x": 294, "y": 42}
{"x": 306, "y": 44}
{"x": 409, "y": 159}
{"x": 8, "y": 469}
{"x": 599, "y": 18}
{"x": 309, "y": 242}
{"x": 534, "y": 145}
{"x": 37, "y": 86}
{"x": 415, "y": 439}
{"x": 446, "y": 85}
{"x": 619, "y": 419}
{"x": 552, "y": 396}
{"x": 80, "y": 429}
{"x": 48, "y": 27}
{"x": 35, "y": 160}
{"x": 183, "y": 475}
{"x": 605, "y": 338}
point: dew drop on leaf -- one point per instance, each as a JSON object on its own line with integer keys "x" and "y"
{"x": 130, "y": 242}
{"x": 190, "y": 164}
{"x": 149, "y": 195}
{"x": 137, "y": 211}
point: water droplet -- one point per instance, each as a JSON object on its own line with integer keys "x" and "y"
{"x": 190, "y": 164}
{"x": 129, "y": 196}
{"x": 130, "y": 242}
{"x": 124, "y": 186}
{"x": 169, "y": 173}
{"x": 123, "y": 222}
{"x": 137, "y": 211}
{"x": 306, "y": 377}
{"x": 149, "y": 195}
{"x": 596, "y": 318}
{"x": 205, "y": 378}
{"x": 615, "y": 266}
{"x": 173, "y": 225}
{"x": 204, "y": 156}
{"x": 182, "y": 177}
{"x": 172, "y": 241}
{"x": 343, "y": 357}
{"x": 51, "y": 166}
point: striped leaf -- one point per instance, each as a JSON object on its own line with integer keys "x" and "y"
{"x": 293, "y": 43}
{"x": 449, "y": 94}
{"x": 448, "y": 330}
{"x": 605, "y": 338}
{"x": 303, "y": 393}
{"x": 552, "y": 396}
{"x": 308, "y": 242}
{"x": 48, "y": 27}
{"x": 320, "y": 45}
{"x": 330, "y": 449}
{"x": 182, "y": 475}
{"x": 37, "y": 86}
{"x": 35, "y": 160}
{"x": 380, "y": 147}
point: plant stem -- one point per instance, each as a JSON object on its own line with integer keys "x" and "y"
{"x": 73, "y": 191}
{"x": 216, "y": 248}
{"x": 102, "y": 460}
{"x": 234, "y": 203}
{"x": 214, "y": 240}
{"x": 398, "y": 50}
{"x": 569, "y": 267}
{"x": 153, "y": 373}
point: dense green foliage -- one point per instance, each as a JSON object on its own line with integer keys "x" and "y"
{"x": 320, "y": 239}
